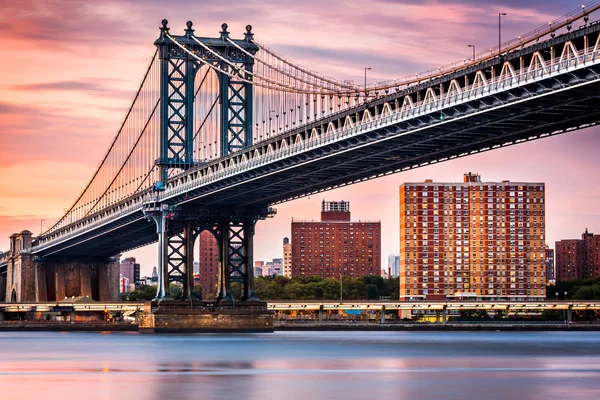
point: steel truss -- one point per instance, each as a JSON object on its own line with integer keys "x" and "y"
{"x": 177, "y": 232}
{"x": 178, "y": 71}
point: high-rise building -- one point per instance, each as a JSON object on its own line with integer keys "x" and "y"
{"x": 208, "y": 264}
{"x": 336, "y": 245}
{"x": 481, "y": 240}
{"x": 127, "y": 269}
{"x": 287, "y": 258}
{"x": 123, "y": 284}
{"x": 549, "y": 264}
{"x": 154, "y": 275}
{"x": 393, "y": 265}
{"x": 578, "y": 258}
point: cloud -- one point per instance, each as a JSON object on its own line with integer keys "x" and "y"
{"x": 89, "y": 86}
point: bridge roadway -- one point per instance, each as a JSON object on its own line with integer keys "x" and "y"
{"x": 540, "y": 90}
{"x": 573, "y": 305}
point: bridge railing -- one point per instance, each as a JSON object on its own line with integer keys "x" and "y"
{"x": 419, "y": 109}
{"x": 551, "y": 67}
{"x": 506, "y": 47}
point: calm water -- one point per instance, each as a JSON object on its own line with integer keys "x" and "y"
{"x": 301, "y": 365}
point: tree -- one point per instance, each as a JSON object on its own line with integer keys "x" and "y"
{"x": 198, "y": 291}
{"x": 372, "y": 291}
{"x": 236, "y": 290}
{"x": 330, "y": 289}
{"x": 294, "y": 291}
{"x": 587, "y": 293}
{"x": 143, "y": 293}
{"x": 175, "y": 290}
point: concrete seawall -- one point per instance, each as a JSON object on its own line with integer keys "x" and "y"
{"x": 358, "y": 326}
{"x": 304, "y": 326}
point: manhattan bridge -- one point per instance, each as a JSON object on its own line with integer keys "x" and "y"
{"x": 223, "y": 128}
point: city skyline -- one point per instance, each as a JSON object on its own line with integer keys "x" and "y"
{"x": 79, "y": 104}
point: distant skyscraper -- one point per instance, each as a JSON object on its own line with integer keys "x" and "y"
{"x": 578, "y": 258}
{"x": 154, "y": 275}
{"x": 393, "y": 265}
{"x": 123, "y": 284}
{"x": 549, "y": 264}
{"x": 336, "y": 245}
{"x": 287, "y": 258}
{"x": 128, "y": 269}
{"x": 136, "y": 273}
{"x": 472, "y": 239}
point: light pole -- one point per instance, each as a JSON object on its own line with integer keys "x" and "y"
{"x": 473, "y": 46}
{"x": 565, "y": 296}
{"x": 499, "y": 37}
{"x": 42, "y": 227}
{"x": 341, "y": 287}
{"x": 366, "y": 68}
{"x": 556, "y": 296}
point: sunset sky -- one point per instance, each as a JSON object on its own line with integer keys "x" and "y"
{"x": 70, "y": 70}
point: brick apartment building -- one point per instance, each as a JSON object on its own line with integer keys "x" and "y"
{"x": 578, "y": 258}
{"x": 336, "y": 245}
{"x": 481, "y": 240}
{"x": 208, "y": 264}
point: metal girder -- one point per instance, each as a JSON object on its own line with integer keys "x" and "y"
{"x": 177, "y": 74}
{"x": 236, "y": 111}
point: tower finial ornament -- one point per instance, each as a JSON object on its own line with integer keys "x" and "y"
{"x": 189, "y": 31}
{"x": 248, "y": 36}
{"x": 224, "y": 33}
{"x": 164, "y": 27}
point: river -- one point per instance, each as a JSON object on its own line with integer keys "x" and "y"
{"x": 301, "y": 365}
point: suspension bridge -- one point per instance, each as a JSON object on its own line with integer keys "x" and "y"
{"x": 221, "y": 129}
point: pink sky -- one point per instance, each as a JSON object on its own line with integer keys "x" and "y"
{"x": 71, "y": 68}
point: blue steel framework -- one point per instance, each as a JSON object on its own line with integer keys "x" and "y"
{"x": 177, "y": 87}
{"x": 542, "y": 84}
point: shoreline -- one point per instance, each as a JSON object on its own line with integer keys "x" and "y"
{"x": 303, "y": 326}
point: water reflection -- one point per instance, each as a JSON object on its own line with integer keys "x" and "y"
{"x": 288, "y": 365}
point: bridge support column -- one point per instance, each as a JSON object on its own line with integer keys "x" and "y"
{"x": 180, "y": 257}
{"x": 569, "y": 315}
{"x": 249, "y": 292}
{"x": 159, "y": 214}
{"x": 224, "y": 295}
{"x": 382, "y": 316}
{"x": 444, "y": 315}
{"x": 236, "y": 249}
{"x": 190, "y": 239}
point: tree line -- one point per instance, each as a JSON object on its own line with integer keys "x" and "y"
{"x": 584, "y": 289}
{"x": 370, "y": 287}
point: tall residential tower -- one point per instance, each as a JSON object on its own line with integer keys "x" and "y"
{"x": 480, "y": 240}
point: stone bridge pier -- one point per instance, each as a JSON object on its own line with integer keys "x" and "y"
{"x": 30, "y": 278}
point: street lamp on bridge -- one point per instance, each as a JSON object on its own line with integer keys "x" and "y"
{"x": 565, "y": 295}
{"x": 341, "y": 287}
{"x": 499, "y": 36}
{"x": 366, "y": 68}
{"x": 473, "y": 46}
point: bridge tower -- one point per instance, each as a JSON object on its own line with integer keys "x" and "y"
{"x": 179, "y": 226}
